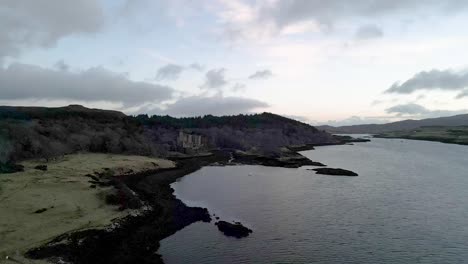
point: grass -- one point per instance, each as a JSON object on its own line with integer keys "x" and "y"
{"x": 37, "y": 206}
{"x": 452, "y": 135}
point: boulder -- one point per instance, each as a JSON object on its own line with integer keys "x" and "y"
{"x": 235, "y": 230}
{"x": 41, "y": 167}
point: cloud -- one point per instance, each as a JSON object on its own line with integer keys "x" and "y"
{"x": 215, "y": 105}
{"x": 172, "y": 71}
{"x": 432, "y": 80}
{"x": 407, "y": 109}
{"x": 23, "y": 81}
{"x": 265, "y": 74}
{"x": 169, "y": 72}
{"x": 369, "y": 32}
{"x": 328, "y": 12}
{"x": 161, "y": 12}
{"x": 417, "y": 111}
{"x": 196, "y": 66}
{"x": 463, "y": 94}
{"x": 238, "y": 87}
{"x": 26, "y": 23}
{"x": 258, "y": 20}
{"x": 61, "y": 65}
{"x": 215, "y": 79}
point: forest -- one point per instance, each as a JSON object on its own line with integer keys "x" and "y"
{"x": 39, "y": 132}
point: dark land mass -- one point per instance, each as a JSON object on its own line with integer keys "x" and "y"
{"x": 135, "y": 239}
{"x": 286, "y": 160}
{"x": 40, "y": 132}
{"x": 450, "y": 135}
{"x": 335, "y": 172}
{"x": 233, "y": 229}
{"x": 47, "y": 133}
{"x": 405, "y": 125}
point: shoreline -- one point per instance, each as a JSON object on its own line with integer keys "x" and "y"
{"x": 423, "y": 139}
{"x": 136, "y": 238}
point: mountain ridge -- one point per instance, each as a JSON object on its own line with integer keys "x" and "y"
{"x": 409, "y": 124}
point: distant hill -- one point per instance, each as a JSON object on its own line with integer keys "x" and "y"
{"x": 27, "y": 113}
{"x": 40, "y": 132}
{"x": 458, "y": 120}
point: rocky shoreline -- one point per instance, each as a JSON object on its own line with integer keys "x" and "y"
{"x": 135, "y": 238}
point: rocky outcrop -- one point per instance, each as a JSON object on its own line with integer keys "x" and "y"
{"x": 335, "y": 172}
{"x": 41, "y": 167}
{"x": 285, "y": 160}
{"x": 233, "y": 229}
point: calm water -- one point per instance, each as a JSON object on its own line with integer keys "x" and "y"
{"x": 408, "y": 205}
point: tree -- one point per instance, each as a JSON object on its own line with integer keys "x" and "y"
{"x": 5, "y": 150}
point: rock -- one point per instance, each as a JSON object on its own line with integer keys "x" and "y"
{"x": 40, "y": 211}
{"x": 317, "y": 164}
{"x": 235, "y": 230}
{"x": 286, "y": 160}
{"x": 349, "y": 139}
{"x": 335, "y": 172}
{"x": 41, "y": 167}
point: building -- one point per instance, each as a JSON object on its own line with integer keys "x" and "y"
{"x": 191, "y": 140}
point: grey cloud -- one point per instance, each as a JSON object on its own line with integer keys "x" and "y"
{"x": 216, "y": 105}
{"x": 265, "y": 74}
{"x": 369, "y": 32}
{"x": 26, "y": 23}
{"x": 215, "y": 79}
{"x": 238, "y": 87}
{"x": 169, "y": 72}
{"x": 407, "y": 109}
{"x": 196, "y": 66}
{"x": 418, "y": 111}
{"x": 284, "y": 13}
{"x": 61, "y": 65}
{"x": 463, "y": 94}
{"x": 432, "y": 80}
{"x": 22, "y": 81}
{"x": 173, "y": 71}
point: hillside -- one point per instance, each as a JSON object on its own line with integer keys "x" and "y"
{"x": 445, "y": 134}
{"x": 458, "y": 120}
{"x": 39, "y": 132}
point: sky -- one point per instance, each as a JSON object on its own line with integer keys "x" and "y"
{"x": 334, "y": 62}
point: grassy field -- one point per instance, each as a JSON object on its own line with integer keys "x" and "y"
{"x": 452, "y": 135}
{"x": 36, "y": 206}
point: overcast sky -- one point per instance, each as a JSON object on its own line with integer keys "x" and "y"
{"x": 334, "y": 61}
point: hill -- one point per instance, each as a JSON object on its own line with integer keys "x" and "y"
{"x": 405, "y": 125}
{"x": 444, "y": 134}
{"x": 39, "y": 132}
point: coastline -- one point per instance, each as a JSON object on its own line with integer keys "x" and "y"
{"x": 135, "y": 238}
{"x": 422, "y": 139}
